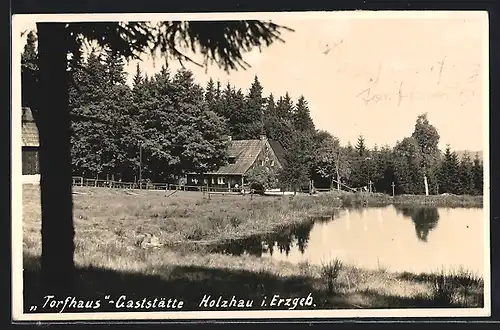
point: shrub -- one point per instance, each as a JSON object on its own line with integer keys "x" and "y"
{"x": 330, "y": 272}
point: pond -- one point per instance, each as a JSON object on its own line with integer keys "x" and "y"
{"x": 414, "y": 239}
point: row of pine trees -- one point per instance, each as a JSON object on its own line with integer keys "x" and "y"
{"x": 164, "y": 126}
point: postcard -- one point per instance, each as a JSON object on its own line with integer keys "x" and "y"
{"x": 250, "y": 165}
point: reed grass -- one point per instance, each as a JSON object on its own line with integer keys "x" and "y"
{"x": 110, "y": 259}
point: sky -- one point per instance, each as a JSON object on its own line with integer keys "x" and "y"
{"x": 370, "y": 73}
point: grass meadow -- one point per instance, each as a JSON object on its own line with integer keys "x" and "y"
{"x": 111, "y": 225}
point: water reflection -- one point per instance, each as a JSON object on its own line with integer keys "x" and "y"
{"x": 284, "y": 240}
{"x": 375, "y": 237}
{"x": 424, "y": 218}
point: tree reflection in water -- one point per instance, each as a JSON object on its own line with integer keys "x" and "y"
{"x": 284, "y": 240}
{"x": 424, "y": 218}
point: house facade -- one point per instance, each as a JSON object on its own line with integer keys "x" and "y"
{"x": 243, "y": 156}
{"x": 30, "y": 144}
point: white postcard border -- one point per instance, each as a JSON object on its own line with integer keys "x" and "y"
{"x": 16, "y": 189}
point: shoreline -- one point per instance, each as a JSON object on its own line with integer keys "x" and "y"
{"x": 109, "y": 255}
{"x": 443, "y": 200}
{"x": 334, "y": 285}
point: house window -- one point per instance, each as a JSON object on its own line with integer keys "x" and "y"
{"x": 205, "y": 181}
{"x": 220, "y": 180}
{"x": 261, "y": 163}
{"x": 232, "y": 160}
{"x": 213, "y": 181}
{"x": 30, "y": 161}
{"x": 194, "y": 180}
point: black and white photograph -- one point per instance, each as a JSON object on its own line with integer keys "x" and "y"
{"x": 250, "y": 165}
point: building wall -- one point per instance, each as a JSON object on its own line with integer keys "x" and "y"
{"x": 220, "y": 181}
{"x": 30, "y": 161}
{"x": 31, "y": 179}
{"x": 267, "y": 158}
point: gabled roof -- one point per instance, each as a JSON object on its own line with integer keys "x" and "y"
{"x": 29, "y": 129}
{"x": 245, "y": 153}
{"x": 278, "y": 151}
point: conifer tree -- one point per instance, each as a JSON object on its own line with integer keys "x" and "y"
{"x": 285, "y": 108}
{"x": 252, "y": 113}
{"x": 361, "y": 164}
{"x": 302, "y": 117}
{"x": 349, "y": 149}
{"x": 466, "y": 176}
{"x": 270, "y": 108}
{"x": 114, "y": 65}
{"x": 238, "y": 122}
{"x": 298, "y": 163}
{"x": 138, "y": 78}
{"x": 210, "y": 95}
{"x": 477, "y": 172}
{"x": 275, "y": 126}
{"x": 360, "y": 146}
{"x": 448, "y": 176}
{"x": 283, "y": 126}
{"x": 226, "y": 107}
{"x": 270, "y": 117}
{"x": 218, "y": 97}
{"x": 92, "y": 85}
{"x": 385, "y": 169}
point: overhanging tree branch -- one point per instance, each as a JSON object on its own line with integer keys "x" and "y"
{"x": 219, "y": 42}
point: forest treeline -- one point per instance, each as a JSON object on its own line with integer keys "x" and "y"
{"x": 167, "y": 125}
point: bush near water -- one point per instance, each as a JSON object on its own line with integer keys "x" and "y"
{"x": 149, "y": 245}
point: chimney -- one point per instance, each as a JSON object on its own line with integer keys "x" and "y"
{"x": 263, "y": 137}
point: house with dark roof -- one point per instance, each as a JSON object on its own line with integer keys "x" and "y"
{"x": 243, "y": 156}
{"x": 30, "y": 144}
